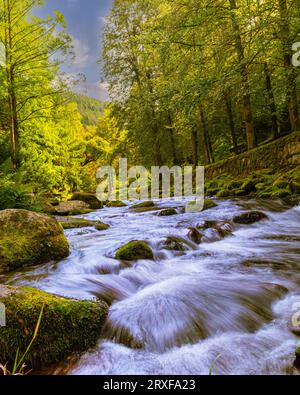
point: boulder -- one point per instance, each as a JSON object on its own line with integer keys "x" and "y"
{"x": 76, "y": 223}
{"x": 146, "y": 204}
{"x": 172, "y": 243}
{"x": 134, "y": 250}
{"x": 28, "y": 238}
{"x": 89, "y": 199}
{"x": 195, "y": 235}
{"x": 73, "y": 207}
{"x": 67, "y": 326}
{"x": 297, "y": 360}
{"x": 249, "y": 218}
{"x": 168, "y": 212}
{"x": 116, "y": 203}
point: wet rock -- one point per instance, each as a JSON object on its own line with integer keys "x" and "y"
{"x": 249, "y": 186}
{"x": 249, "y": 218}
{"x": 73, "y": 207}
{"x": 297, "y": 360}
{"x": 67, "y": 325}
{"x": 195, "y": 236}
{"x": 88, "y": 198}
{"x": 116, "y": 203}
{"x": 76, "y": 223}
{"x": 134, "y": 250}
{"x": 208, "y": 204}
{"x": 222, "y": 228}
{"x": 168, "y": 212}
{"x": 146, "y": 204}
{"x": 28, "y": 239}
{"x": 173, "y": 244}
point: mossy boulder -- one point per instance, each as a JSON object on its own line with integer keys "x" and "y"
{"x": 168, "y": 212}
{"x": 67, "y": 326}
{"x": 134, "y": 250}
{"x": 28, "y": 238}
{"x": 73, "y": 207}
{"x": 208, "y": 204}
{"x": 88, "y": 198}
{"x": 249, "y": 218}
{"x": 116, "y": 203}
{"x": 173, "y": 243}
{"x": 223, "y": 193}
{"x": 146, "y": 204}
{"x": 77, "y": 223}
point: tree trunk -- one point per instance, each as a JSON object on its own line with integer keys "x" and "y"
{"x": 229, "y": 111}
{"x": 172, "y": 136}
{"x": 195, "y": 144}
{"x": 290, "y": 70}
{"x": 12, "y": 100}
{"x": 271, "y": 102}
{"x": 206, "y": 140}
{"x": 247, "y": 109}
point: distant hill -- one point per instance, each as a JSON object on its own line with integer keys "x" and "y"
{"x": 91, "y": 109}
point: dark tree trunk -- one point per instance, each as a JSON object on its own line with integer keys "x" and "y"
{"x": 290, "y": 70}
{"x": 206, "y": 139}
{"x": 229, "y": 111}
{"x": 271, "y": 102}
{"x": 247, "y": 108}
{"x": 195, "y": 145}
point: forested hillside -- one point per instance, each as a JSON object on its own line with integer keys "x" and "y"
{"x": 89, "y": 108}
{"x": 197, "y": 81}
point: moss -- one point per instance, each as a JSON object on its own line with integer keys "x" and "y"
{"x": 208, "y": 204}
{"x": 67, "y": 326}
{"x": 173, "y": 244}
{"x": 236, "y": 184}
{"x": 146, "y": 204}
{"x": 76, "y": 223}
{"x": 134, "y": 250}
{"x": 28, "y": 239}
{"x": 280, "y": 193}
{"x": 116, "y": 203}
{"x": 224, "y": 193}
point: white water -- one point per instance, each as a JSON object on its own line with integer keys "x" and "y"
{"x": 211, "y": 306}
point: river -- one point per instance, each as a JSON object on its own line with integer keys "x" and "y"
{"x": 223, "y": 305}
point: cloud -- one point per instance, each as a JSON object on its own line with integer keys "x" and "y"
{"x": 82, "y": 53}
{"x": 98, "y": 90}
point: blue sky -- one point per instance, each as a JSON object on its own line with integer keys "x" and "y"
{"x": 85, "y": 19}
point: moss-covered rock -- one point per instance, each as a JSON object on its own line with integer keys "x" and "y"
{"x": 76, "y": 223}
{"x": 88, "y": 198}
{"x": 168, "y": 212}
{"x": 116, "y": 203}
{"x": 67, "y": 325}
{"x": 223, "y": 193}
{"x": 146, "y": 204}
{"x": 280, "y": 193}
{"x": 28, "y": 238}
{"x": 134, "y": 250}
{"x": 173, "y": 243}
{"x": 249, "y": 218}
{"x": 195, "y": 236}
{"x": 208, "y": 204}
{"x": 73, "y": 207}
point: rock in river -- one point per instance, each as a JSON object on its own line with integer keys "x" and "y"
{"x": 134, "y": 250}
{"x": 28, "y": 239}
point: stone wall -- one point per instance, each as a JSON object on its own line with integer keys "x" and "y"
{"x": 278, "y": 155}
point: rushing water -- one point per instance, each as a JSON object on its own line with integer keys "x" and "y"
{"x": 225, "y": 303}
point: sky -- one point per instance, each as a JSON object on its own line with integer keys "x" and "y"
{"x": 85, "y": 20}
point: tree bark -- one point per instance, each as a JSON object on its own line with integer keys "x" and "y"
{"x": 229, "y": 111}
{"x": 206, "y": 139}
{"x": 247, "y": 108}
{"x": 12, "y": 100}
{"x": 271, "y": 102}
{"x": 290, "y": 70}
